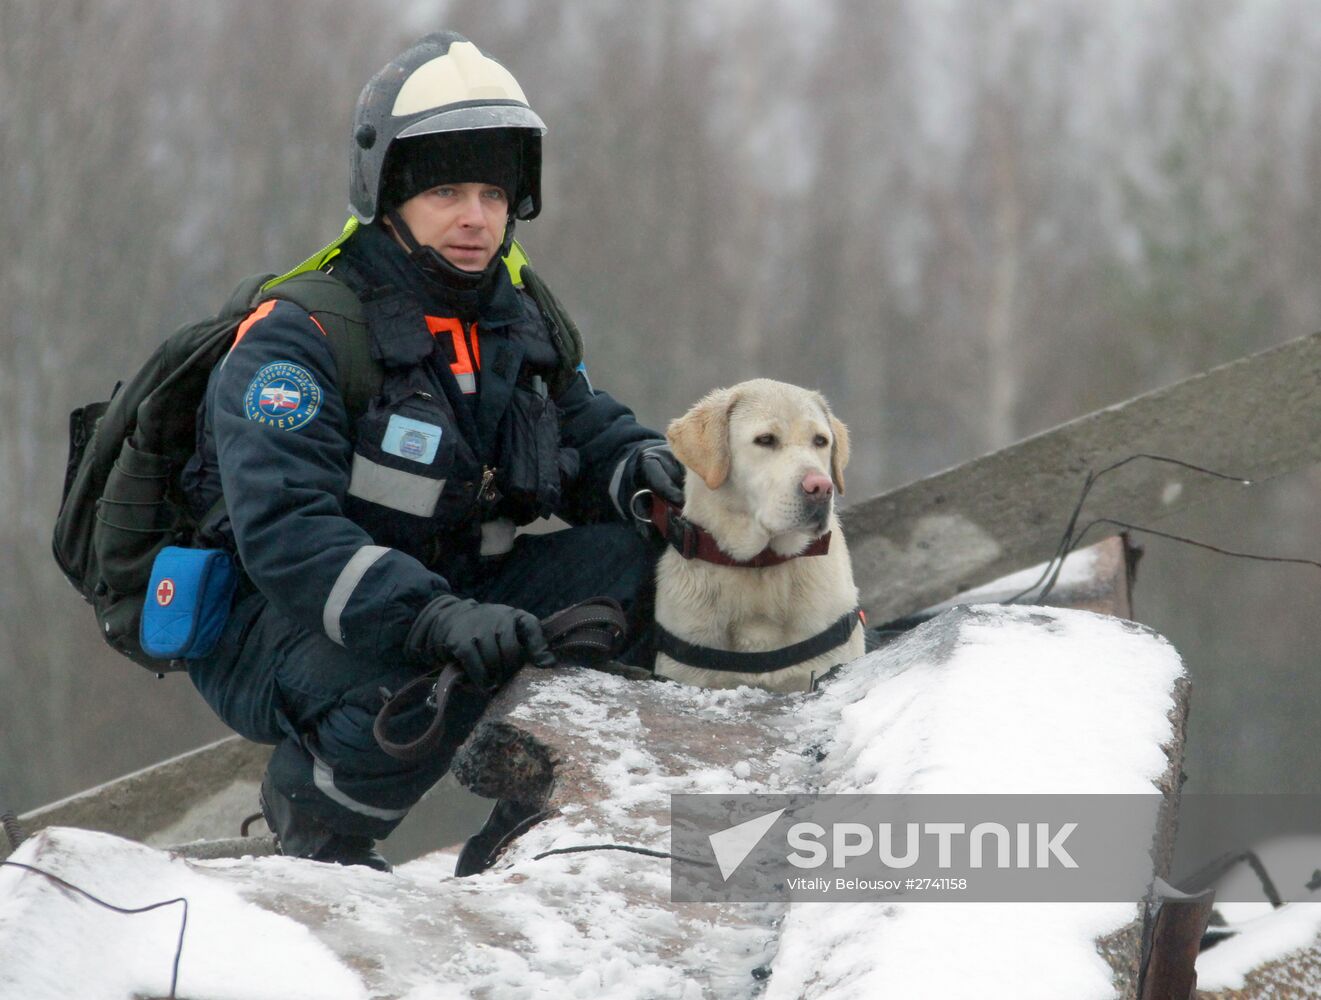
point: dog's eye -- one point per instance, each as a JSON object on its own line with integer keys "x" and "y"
{"x": 820, "y": 440}
{"x": 766, "y": 440}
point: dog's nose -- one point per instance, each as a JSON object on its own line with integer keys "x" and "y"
{"x": 817, "y": 488}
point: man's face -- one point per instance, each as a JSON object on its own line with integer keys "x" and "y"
{"x": 464, "y": 223}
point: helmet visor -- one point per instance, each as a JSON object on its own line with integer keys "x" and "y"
{"x": 477, "y": 116}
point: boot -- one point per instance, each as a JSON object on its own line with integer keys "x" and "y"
{"x": 300, "y": 835}
{"x": 507, "y": 819}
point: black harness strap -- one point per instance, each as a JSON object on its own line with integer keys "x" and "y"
{"x": 588, "y": 633}
{"x": 731, "y": 661}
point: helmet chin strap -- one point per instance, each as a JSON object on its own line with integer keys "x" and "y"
{"x": 433, "y": 265}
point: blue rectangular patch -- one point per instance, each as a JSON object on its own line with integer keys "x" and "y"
{"x": 411, "y": 439}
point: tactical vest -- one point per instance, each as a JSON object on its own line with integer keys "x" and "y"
{"x": 418, "y": 450}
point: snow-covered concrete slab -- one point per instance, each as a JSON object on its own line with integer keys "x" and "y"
{"x": 1275, "y": 954}
{"x": 983, "y": 700}
{"x": 986, "y": 700}
{"x": 1097, "y": 578}
{"x": 1266, "y": 953}
{"x": 55, "y": 943}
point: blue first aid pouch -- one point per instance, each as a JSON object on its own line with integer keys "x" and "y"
{"x": 188, "y": 602}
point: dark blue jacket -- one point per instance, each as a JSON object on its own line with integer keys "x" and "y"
{"x": 352, "y": 531}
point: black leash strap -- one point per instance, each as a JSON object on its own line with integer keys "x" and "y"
{"x": 593, "y": 630}
{"x": 587, "y": 633}
{"x": 437, "y": 688}
{"x": 757, "y": 663}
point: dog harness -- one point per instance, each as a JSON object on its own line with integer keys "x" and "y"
{"x": 731, "y": 661}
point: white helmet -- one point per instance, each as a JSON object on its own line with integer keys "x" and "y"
{"x": 443, "y": 84}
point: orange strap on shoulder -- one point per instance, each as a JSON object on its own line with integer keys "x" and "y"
{"x": 260, "y": 313}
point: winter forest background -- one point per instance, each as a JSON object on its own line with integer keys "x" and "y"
{"x": 963, "y": 220}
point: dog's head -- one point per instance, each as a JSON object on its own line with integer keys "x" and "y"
{"x": 771, "y": 451}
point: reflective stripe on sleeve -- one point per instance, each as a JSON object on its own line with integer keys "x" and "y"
{"x": 615, "y": 479}
{"x": 345, "y": 584}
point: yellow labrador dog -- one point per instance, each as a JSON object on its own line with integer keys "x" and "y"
{"x": 774, "y": 605}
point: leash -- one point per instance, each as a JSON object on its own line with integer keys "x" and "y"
{"x": 591, "y": 631}
{"x": 731, "y": 661}
{"x": 694, "y": 542}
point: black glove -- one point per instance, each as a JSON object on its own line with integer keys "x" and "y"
{"x": 659, "y": 471}
{"x": 490, "y": 642}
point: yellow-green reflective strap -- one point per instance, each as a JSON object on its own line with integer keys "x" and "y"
{"x": 319, "y": 259}
{"x": 514, "y": 260}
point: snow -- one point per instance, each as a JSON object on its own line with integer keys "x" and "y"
{"x": 950, "y": 950}
{"x": 1263, "y": 934}
{"x": 1026, "y": 700}
{"x": 1032, "y": 701}
{"x": 1267, "y": 938}
{"x": 232, "y": 950}
{"x": 1079, "y": 568}
{"x": 1079, "y": 705}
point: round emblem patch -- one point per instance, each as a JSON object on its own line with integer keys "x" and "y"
{"x": 165, "y": 592}
{"x": 282, "y": 395}
{"x": 412, "y": 445}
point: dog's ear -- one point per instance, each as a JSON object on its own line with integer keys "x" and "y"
{"x": 839, "y": 451}
{"x": 700, "y": 438}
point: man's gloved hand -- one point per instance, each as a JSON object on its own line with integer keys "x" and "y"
{"x": 490, "y": 642}
{"x": 659, "y": 471}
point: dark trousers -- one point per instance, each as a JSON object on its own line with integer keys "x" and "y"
{"x": 273, "y": 681}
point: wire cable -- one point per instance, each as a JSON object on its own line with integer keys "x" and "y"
{"x": 1070, "y": 539}
{"x": 130, "y": 911}
{"x": 647, "y": 851}
{"x": 1198, "y": 544}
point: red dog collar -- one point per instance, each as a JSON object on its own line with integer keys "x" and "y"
{"x": 694, "y": 542}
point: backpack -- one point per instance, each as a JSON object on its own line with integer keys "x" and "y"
{"x": 122, "y": 501}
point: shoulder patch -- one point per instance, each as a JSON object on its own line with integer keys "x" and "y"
{"x": 282, "y": 395}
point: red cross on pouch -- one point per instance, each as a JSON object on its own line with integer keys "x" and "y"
{"x": 165, "y": 592}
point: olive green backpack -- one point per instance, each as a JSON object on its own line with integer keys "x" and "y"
{"x": 122, "y": 502}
